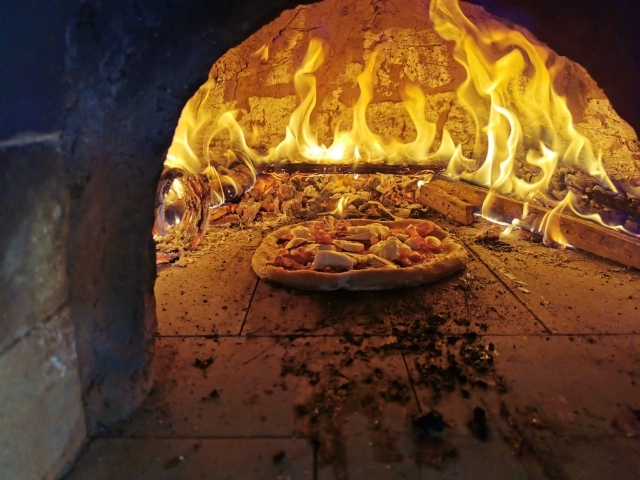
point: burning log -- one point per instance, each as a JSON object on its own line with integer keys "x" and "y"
{"x": 579, "y": 233}
{"x": 441, "y": 201}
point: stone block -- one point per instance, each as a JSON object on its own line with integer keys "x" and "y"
{"x": 42, "y": 418}
{"x": 33, "y": 234}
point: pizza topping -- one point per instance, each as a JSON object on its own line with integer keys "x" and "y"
{"x": 327, "y": 258}
{"x": 434, "y": 244}
{"x": 415, "y": 243}
{"x": 295, "y": 242}
{"x": 354, "y": 247}
{"x": 434, "y": 240}
{"x": 376, "y": 261}
{"x": 401, "y": 236}
{"x": 302, "y": 232}
{"x": 425, "y": 228}
{"x": 409, "y": 259}
{"x": 321, "y": 234}
{"x": 284, "y": 239}
{"x": 370, "y": 260}
{"x": 288, "y": 263}
{"x": 295, "y": 261}
{"x": 389, "y": 249}
{"x": 376, "y": 229}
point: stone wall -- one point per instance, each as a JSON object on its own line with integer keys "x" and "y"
{"x": 42, "y": 416}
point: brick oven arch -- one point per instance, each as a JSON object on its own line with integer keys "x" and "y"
{"x": 131, "y": 67}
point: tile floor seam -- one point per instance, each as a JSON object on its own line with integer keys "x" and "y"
{"x": 246, "y": 314}
{"x": 143, "y": 438}
{"x": 448, "y": 334}
{"x": 413, "y": 387}
{"x": 544, "y": 325}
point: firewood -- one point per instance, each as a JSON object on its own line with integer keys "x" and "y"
{"x": 582, "y": 234}
{"x": 441, "y": 201}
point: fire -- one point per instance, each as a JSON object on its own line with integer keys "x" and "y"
{"x": 522, "y": 123}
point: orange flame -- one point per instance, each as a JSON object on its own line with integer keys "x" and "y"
{"x": 520, "y": 119}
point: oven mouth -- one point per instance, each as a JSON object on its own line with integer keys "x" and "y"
{"x": 456, "y": 94}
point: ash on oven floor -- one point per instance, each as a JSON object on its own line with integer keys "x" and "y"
{"x": 524, "y": 365}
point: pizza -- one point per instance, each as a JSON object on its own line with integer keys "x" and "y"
{"x": 332, "y": 254}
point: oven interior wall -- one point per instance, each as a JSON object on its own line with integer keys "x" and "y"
{"x": 81, "y": 207}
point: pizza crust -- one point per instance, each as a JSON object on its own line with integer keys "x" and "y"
{"x": 452, "y": 258}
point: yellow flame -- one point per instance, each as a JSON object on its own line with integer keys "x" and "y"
{"x": 510, "y": 73}
{"x": 341, "y": 209}
{"x": 263, "y": 53}
{"x": 522, "y": 123}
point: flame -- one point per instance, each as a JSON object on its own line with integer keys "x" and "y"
{"x": 522, "y": 123}
{"x": 263, "y": 53}
{"x": 515, "y": 76}
{"x": 341, "y": 209}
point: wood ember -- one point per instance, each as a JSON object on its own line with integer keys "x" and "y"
{"x": 305, "y": 197}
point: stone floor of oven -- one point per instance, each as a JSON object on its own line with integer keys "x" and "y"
{"x": 525, "y": 365}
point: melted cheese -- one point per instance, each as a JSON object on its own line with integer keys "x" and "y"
{"x": 354, "y": 247}
{"x": 302, "y": 232}
{"x": 412, "y": 243}
{"x": 295, "y": 242}
{"x": 327, "y": 258}
{"x": 389, "y": 249}
{"x": 376, "y": 229}
{"x": 435, "y": 240}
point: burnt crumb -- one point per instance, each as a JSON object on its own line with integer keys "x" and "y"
{"x": 430, "y": 425}
{"x": 397, "y": 392}
{"x": 491, "y": 235}
{"x": 497, "y": 246}
{"x": 349, "y": 337}
{"x": 290, "y": 367}
{"x": 636, "y": 412}
{"x": 203, "y": 364}
{"x": 478, "y": 424}
{"x": 470, "y": 336}
{"x": 214, "y": 394}
{"x": 173, "y": 463}
{"x": 530, "y": 236}
{"x": 279, "y": 457}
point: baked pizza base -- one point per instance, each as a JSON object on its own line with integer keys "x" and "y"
{"x": 453, "y": 257}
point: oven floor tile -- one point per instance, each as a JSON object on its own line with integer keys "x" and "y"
{"x": 449, "y": 457}
{"x": 209, "y": 295}
{"x": 571, "y": 292}
{"x": 256, "y": 386}
{"x": 196, "y": 458}
{"x": 554, "y": 386}
{"x": 471, "y": 300}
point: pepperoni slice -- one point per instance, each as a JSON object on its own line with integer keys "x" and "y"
{"x": 425, "y": 228}
{"x": 322, "y": 236}
{"x": 301, "y": 256}
{"x": 411, "y": 231}
{"x": 282, "y": 261}
{"x": 433, "y": 247}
